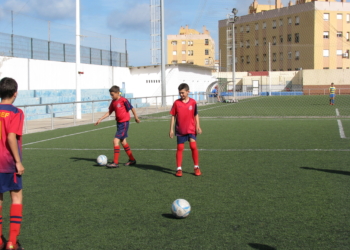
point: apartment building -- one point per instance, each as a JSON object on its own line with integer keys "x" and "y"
{"x": 191, "y": 46}
{"x": 310, "y": 34}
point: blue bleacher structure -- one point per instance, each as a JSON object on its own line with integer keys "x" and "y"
{"x": 60, "y": 102}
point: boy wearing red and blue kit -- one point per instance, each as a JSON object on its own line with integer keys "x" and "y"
{"x": 184, "y": 112}
{"x": 11, "y": 168}
{"x": 121, "y": 107}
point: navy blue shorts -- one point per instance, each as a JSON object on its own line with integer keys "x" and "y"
{"x": 122, "y": 130}
{"x": 10, "y": 182}
{"x": 185, "y": 138}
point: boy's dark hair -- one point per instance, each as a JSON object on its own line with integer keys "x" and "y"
{"x": 8, "y": 87}
{"x": 184, "y": 86}
{"x": 114, "y": 89}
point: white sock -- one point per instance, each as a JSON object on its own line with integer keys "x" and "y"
{"x": 196, "y": 166}
{"x": 179, "y": 168}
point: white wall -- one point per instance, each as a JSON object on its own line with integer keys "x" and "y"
{"x": 39, "y": 74}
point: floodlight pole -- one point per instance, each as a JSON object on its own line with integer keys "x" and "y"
{"x": 77, "y": 61}
{"x": 233, "y": 20}
{"x": 270, "y": 68}
{"x": 162, "y": 51}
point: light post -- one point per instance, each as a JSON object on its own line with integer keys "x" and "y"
{"x": 232, "y": 19}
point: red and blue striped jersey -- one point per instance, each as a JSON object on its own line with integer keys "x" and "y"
{"x": 185, "y": 114}
{"x": 11, "y": 121}
{"x": 121, "y": 108}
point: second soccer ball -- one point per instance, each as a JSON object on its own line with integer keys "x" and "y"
{"x": 181, "y": 208}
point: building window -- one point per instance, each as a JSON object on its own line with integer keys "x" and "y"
{"x": 289, "y": 37}
{"x": 190, "y": 43}
{"x": 281, "y": 56}
{"x": 297, "y": 20}
{"x": 264, "y": 40}
{"x": 264, "y": 57}
{"x": 206, "y": 61}
{"x": 296, "y": 37}
{"x": 206, "y": 41}
{"x": 174, "y": 42}
{"x": 289, "y": 55}
{"x": 264, "y": 25}
{"x": 256, "y": 42}
{"x": 257, "y": 58}
{"x": 248, "y": 44}
{"x": 248, "y": 59}
{"x": 242, "y": 59}
{"x": 326, "y": 53}
{"x": 274, "y": 40}
{"x": 206, "y": 52}
{"x": 297, "y": 55}
{"x": 242, "y": 28}
{"x": 183, "y": 42}
{"x": 326, "y": 16}
{"x": 247, "y": 29}
{"x": 183, "y": 61}
{"x": 347, "y": 36}
{"x": 184, "y": 52}
{"x": 274, "y": 57}
{"x": 174, "y": 52}
{"x": 190, "y": 52}
{"x": 289, "y": 20}
{"x": 256, "y": 26}
{"x": 281, "y": 22}
{"x": 174, "y": 61}
{"x": 339, "y": 16}
{"x": 241, "y": 44}
{"x": 348, "y": 18}
{"x": 281, "y": 39}
{"x": 339, "y": 33}
{"x": 274, "y": 24}
{"x": 325, "y": 34}
{"x": 339, "y": 52}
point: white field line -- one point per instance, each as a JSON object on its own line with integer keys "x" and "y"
{"x": 337, "y": 112}
{"x": 212, "y": 150}
{"x": 59, "y": 137}
{"x": 341, "y": 130}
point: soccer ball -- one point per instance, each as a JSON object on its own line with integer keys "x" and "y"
{"x": 101, "y": 160}
{"x": 181, "y": 208}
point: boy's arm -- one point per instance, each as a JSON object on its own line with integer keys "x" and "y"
{"x": 103, "y": 117}
{"x": 12, "y": 141}
{"x": 198, "y": 127}
{"x": 171, "y": 132}
{"x": 135, "y": 115}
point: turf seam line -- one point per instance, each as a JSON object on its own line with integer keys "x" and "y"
{"x": 341, "y": 130}
{"x": 213, "y": 150}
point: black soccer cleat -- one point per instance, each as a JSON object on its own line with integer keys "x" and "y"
{"x": 130, "y": 163}
{"x": 112, "y": 165}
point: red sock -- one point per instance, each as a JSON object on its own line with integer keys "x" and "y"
{"x": 15, "y": 221}
{"x": 116, "y": 154}
{"x": 193, "y": 146}
{"x": 0, "y": 225}
{"x": 128, "y": 152}
{"x": 180, "y": 149}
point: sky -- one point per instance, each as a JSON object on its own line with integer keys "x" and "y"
{"x": 106, "y": 23}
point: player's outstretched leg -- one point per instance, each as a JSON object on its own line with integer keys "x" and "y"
{"x": 179, "y": 153}
{"x": 195, "y": 157}
{"x": 128, "y": 151}
{"x": 115, "y": 162}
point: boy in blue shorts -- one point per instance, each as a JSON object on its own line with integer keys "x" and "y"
{"x": 184, "y": 112}
{"x": 11, "y": 168}
{"x": 121, "y": 107}
{"x": 331, "y": 94}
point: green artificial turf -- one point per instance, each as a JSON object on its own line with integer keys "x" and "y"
{"x": 266, "y": 184}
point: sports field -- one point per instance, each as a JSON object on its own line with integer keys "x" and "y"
{"x": 267, "y": 183}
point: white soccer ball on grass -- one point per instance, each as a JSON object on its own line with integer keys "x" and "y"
{"x": 181, "y": 208}
{"x": 102, "y": 160}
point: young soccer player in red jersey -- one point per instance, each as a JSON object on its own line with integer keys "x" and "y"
{"x": 11, "y": 168}
{"x": 121, "y": 107}
{"x": 184, "y": 111}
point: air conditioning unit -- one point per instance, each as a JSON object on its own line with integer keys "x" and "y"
{"x": 345, "y": 55}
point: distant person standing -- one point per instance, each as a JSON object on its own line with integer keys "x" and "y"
{"x": 216, "y": 93}
{"x": 331, "y": 94}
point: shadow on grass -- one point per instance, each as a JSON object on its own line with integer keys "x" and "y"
{"x": 261, "y": 246}
{"x": 328, "y": 171}
{"x": 154, "y": 168}
{"x": 86, "y": 159}
{"x": 170, "y": 216}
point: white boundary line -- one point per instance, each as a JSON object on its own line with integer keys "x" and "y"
{"x": 337, "y": 112}
{"x": 212, "y": 150}
{"x": 341, "y": 130}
